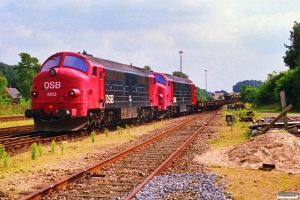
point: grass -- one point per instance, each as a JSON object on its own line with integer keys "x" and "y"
{"x": 249, "y": 183}
{"x": 23, "y": 162}
{"x": 16, "y": 123}
{"x": 274, "y": 108}
{"x": 228, "y": 138}
{"x": 230, "y": 135}
{"x": 257, "y": 184}
{"x": 14, "y": 109}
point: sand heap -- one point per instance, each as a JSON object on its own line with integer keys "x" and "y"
{"x": 279, "y": 148}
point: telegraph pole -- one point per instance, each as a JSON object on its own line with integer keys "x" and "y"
{"x": 181, "y": 61}
{"x": 206, "y": 80}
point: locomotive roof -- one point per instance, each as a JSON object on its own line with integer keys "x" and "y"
{"x": 119, "y": 66}
{"x": 178, "y": 79}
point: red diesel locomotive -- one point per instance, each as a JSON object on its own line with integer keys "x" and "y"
{"x": 74, "y": 91}
{"x": 175, "y": 94}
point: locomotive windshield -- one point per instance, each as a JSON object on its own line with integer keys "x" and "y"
{"x": 75, "y": 62}
{"x": 160, "y": 79}
{"x": 52, "y": 62}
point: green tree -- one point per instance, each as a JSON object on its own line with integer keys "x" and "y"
{"x": 293, "y": 51}
{"x": 209, "y": 98}
{"x": 8, "y": 72}
{"x": 222, "y": 91}
{"x": 3, "y": 84}
{"x": 267, "y": 92}
{"x": 200, "y": 94}
{"x": 253, "y": 83}
{"x": 180, "y": 74}
{"x": 147, "y": 67}
{"x": 290, "y": 83}
{"x": 249, "y": 94}
{"x": 84, "y": 52}
{"x": 26, "y": 70}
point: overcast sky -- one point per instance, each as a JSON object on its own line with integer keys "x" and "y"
{"x": 234, "y": 40}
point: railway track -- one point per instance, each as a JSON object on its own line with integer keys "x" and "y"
{"x": 15, "y": 141}
{"x": 16, "y": 129}
{"x": 20, "y": 137}
{"x": 13, "y": 118}
{"x": 123, "y": 175}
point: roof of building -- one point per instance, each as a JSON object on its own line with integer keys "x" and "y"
{"x": 217, "y": 95}
{"x": 13, "y": 92}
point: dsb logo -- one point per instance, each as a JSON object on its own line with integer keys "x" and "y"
{"x": 51, "y": 85}
{"x": 109, "y": 98}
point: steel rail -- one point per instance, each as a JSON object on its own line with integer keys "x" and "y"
{"x": 169, "y": 161}
{"x": 16, "y": 129}
{"x": 13, "y": 118}
{"x": 96, "y": 167}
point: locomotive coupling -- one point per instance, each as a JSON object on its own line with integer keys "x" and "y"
{"x": 62, "y": 113}
{"x": 28, "y": 113}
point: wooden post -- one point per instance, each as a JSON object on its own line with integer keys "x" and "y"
{"x": 277, "y": 118}
{"x": 283, "y": 105}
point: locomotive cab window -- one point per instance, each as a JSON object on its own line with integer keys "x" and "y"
{"x": 160, "y": 79}
{"x": 94, "y": 71}
{"x": 75, "y": 62}
{"x": 52, "y": 62}
{"x": 100, "y": 75}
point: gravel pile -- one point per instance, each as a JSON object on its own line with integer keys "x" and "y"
{"x": 279, "y": 148}
{"x": 187, "y": 186}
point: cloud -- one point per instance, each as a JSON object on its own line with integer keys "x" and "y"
{"x": 233, "y": 40}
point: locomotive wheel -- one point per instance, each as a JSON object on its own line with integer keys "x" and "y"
{"x": 168, "y": 114}
{"x": 91, "y": 127}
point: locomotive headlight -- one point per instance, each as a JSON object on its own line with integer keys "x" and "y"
{"x": 52, "y": 72}
{"x": 34, "y": 94}
{"x": 74, "y": 93}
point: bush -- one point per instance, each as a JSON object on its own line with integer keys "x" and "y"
{"x": 14, "y": 109}
{"x": 106, "y": 132}
{"x": 248, "y": 134}
{"x": 40, "y": 147}
{"x": 128, "y": 129}
{"x": 93, "y": 134}
{"x": 62, "y": 147}
{"x": 53, "y": 145}
{"x": 6, "y": 158}
{"x": 119, "y": 130}
{"x": 33, "y": 150}
{"x": 2, "y": 150}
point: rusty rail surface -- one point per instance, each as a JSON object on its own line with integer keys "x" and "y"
{"x": 96, "y": 167}
{"x": 17, "y": 138}
{"x": 13, "y": 118}
{"x": 16, "y": 129}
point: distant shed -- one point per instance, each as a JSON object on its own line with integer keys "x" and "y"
{"x": 219, "y": 96}
{"x": 13, "y": 94}
{"x": 231, "y": 95}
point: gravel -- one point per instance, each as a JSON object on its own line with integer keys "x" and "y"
{"x": 187, "y": 186}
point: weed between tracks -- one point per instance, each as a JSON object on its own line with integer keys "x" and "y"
{"x": 249, "y": 183}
